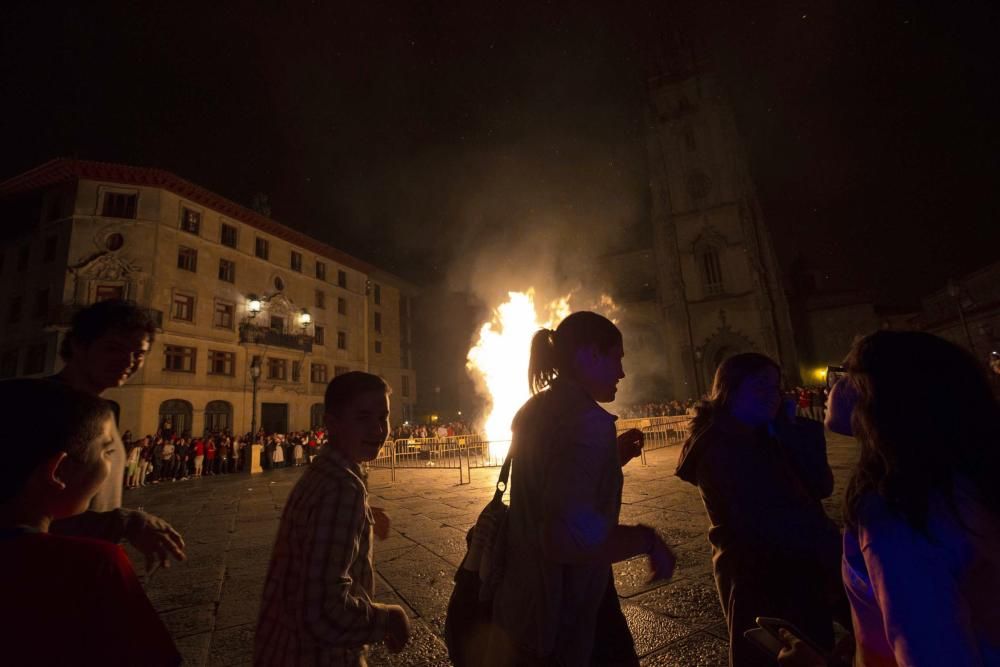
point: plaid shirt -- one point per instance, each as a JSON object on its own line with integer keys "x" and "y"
{"x": 317, "y": 607}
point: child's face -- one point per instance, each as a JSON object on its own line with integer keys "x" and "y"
{"x": 84, "y": 474}
{"x": 359, "y": 429}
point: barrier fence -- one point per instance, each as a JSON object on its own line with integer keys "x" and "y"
{"x": 464, "y": 452}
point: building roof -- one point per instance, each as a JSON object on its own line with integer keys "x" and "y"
{"x": 63, "y": 170}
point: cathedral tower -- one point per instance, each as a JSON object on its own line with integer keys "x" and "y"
{"x": 719, "y": 284}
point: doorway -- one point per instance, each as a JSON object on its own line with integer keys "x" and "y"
{"x": 274, "y": 417}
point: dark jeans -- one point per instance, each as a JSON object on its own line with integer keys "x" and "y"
{"x": 794, "y": 589}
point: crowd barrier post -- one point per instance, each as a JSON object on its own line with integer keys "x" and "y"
{"x": 392, "y": 463}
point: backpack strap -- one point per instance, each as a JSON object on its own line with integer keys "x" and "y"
{"x": 504, "y": 476}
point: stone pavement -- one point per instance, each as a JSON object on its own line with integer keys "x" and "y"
{"x": 210, "y": 602}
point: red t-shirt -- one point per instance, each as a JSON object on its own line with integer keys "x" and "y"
{"x": 75, "y": 601}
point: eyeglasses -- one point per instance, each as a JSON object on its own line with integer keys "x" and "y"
{"x": 833, "y": 375}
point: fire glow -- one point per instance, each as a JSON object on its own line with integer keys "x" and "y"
{"x": 499, "y": 359}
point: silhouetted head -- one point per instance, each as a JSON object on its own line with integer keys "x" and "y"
{"x": 586, "y": 348}
{"x": 108, "y": 343}
{"x": 357, "y": 414}
{"x": 57, "y": 443}
{"x": 747, "y": 387}
{"x": 925, "y": 415}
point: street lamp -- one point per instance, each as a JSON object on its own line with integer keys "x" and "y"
{"x": 305, "y": 319}
{"x": 955, "y": 292}
{"x": 254, "y": 376}
{"x": 253, "y": 305}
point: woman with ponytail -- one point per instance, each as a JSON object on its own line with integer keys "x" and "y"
{"x": 762, "y": 474}
{"x": 557, "y": 604}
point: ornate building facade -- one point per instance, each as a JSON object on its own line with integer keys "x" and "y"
{"x": 229, "y": 288}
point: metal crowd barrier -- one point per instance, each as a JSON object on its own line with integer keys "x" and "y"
{"x": 464, "y": 452}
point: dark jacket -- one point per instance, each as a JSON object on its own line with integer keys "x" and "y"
{"x": 762, "y": 488}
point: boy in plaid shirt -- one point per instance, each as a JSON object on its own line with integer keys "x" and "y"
{"x": 317, "y": 607}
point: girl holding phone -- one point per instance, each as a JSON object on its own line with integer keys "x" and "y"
{"x": 762, "y": 475}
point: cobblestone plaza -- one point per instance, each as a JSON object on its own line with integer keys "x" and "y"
{"x": 210, "y": 602}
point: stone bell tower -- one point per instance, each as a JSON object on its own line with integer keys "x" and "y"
{"x": 719, "y": 284}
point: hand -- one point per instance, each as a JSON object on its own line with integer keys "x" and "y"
{"x": 797, "y": 653}
{"x": 630, "y": 445}
{"x": 382, "y": 523}
{"x": 662, "y": 560}
{"x": 397, "y": 631}
{"x": 154, "y": 538}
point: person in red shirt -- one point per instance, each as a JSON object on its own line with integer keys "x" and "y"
{"x": 199, "y": 456}
{"x": 66, "y": 600}
{"x": 210, "y": 457}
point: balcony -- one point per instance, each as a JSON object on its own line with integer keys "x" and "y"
{"x": 252, "y": 334}
{"x": 61, "y": 316}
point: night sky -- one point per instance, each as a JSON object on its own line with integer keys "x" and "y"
{"x": 417, "y": 135}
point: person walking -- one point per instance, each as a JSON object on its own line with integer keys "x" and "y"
{"x": 557, "y": 603}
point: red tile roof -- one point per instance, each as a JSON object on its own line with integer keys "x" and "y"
{"x": 61, "y": 170}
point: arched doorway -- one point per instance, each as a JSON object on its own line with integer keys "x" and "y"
{"x": 316, "y": 415}
{"x": 218, "y": 416}
{"x": 175, "y": 416}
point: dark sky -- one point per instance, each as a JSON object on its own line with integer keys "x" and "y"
{"x": 415, "y": 136}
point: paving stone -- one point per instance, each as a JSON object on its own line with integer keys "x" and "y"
{"x": 693, "y": 601}
{"x": 232, "y": 646}
{"x": 169, "y": 598}
{"x": 652, "y": 631}
{"x": 189, "y": 620}
{"x": 194, "y": 649}
{"x": 699, "y": 650}
{"x": 424, "y": 650}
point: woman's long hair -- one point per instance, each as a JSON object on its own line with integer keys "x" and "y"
{"x": 925, "y": 415}
{"x": 553, "y": 352}
{"x": 730, "y": 374}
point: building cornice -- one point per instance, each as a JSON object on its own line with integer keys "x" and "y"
{"x": 64, "y": 170}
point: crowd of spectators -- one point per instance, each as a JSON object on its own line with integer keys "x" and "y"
{"x": 652, "y": 409}
{"x": 442, "y": 430}
{"x": 171, "y": 457}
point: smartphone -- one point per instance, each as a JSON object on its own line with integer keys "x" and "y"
{"x": 773, "y": 625}
{"x": 765, "y": 641}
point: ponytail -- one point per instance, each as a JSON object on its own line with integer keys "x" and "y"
{"x": 542, "y": 364}
{"x": 552, "y": 352}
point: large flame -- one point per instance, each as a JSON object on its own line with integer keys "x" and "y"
{"x": 499, "y": 359}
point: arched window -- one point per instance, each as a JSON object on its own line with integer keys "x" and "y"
{"x": 218, "y": 416}
{"x": 316, "y": 415}
{"x": 711, "y": 270}
{"x": 175, "y": 416}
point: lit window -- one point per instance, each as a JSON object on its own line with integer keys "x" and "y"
{"x": 221, "y": 363}
{"x": 184, "y": 307}
{"x": 228, "y": 235}
{"x": 187, "y": 259}
{"x": 227, "y": 271}
{"x": 179, "y": 359}
{"x": 190, "y": 220}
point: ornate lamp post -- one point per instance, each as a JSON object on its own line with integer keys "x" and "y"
{"x": 254, "y": 376}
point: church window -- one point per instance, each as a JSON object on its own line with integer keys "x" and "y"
{"x": 711, "y": 271}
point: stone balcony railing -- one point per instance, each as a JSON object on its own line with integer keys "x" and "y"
{"x": 256, "y": 335}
